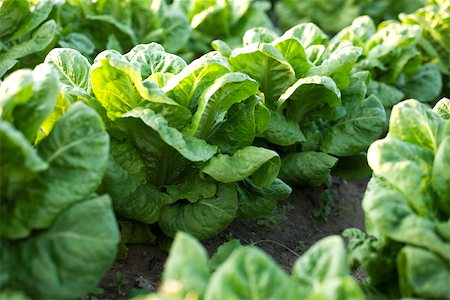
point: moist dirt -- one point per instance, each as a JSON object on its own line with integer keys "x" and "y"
{"x": 308, "y": 215}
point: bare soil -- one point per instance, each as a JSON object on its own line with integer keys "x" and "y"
{"x": 308, "y": 215}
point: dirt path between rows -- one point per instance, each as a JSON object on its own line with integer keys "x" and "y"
{"x": 307, "y": 216}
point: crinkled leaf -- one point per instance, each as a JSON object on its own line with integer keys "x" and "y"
{"x": 79, "y": 42}
{"x": 215, "y": 101}
{"x": 12, "y": 13}
{"x": 239, "y": 127}
{"x": 33, "y": 19}
{"x": 193, "y": 188}
{"x": 442, "y": 108}
{"x": 338, "y": 66}
{"x": 265, "y": 64}
{"x": 308, "y": 34}
{"x": 51, "y": 262}
{"x": 393, "y": 158}
{"x": 345, "y": 287}
{"x": 131, "y": 197}
{"x": 282, "y": 131}
{"x": 190, "y": 147}
{"x": 363, "y": 124}
{"x": 72, "y": 67}
{"x": 258, "y": 35}
{"x": 118, "y": 86}
{"x": 152, "y": 58}
{"x": 260, "y": 164}
{"x": 203, "y": 219}
{"x": 256, "y": 201}
{"x": 21, "y": 164}
{"x": 293, "y": 51}
{"x": 307, "y": 94}
{"x": 414, "y": 122}
{"x": 40, "y": 39}
{"x": 424, "y": 85}
{"x": 306, "y": 168}
{"x": 440, "y": 179}
{"x": 186, "y": 86}
{"x": 393, "y": 216}
{"x": 388, "y": 94}
{"x": 221, "y": 47}
{"x": 422, "y": 273}
{"x": 79, "y": 146}
{"x": 27, "y": 98}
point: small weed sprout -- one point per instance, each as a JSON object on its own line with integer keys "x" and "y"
{"x": 278, "y": 216}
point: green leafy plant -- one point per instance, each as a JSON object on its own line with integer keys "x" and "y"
{"x": 58, "y": 237}
{"x": 181, "y": 137}
{"x": 326, "y": 203}
{"x": 320, "y": 107}
{"x": 406, "y": 249}
{"x": 342, "y": 12}
{"x": 237, "y": 272}
{"x": 25, "y": 32}
{"x": 118, "y": 283}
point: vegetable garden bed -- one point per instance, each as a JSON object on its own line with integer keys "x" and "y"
{"x": 272, "y": 158}
{"x": 300, "y": 221}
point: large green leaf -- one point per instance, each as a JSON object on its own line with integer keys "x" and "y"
{"x": 79, "y": 146}
{"x": 27, "y": 98}
{"x": 152, "y": 59}
{"x": 306, "y": 168}
{"x": 40, "y": 39}
{"x": 258, "y": 35}
{"x": 423, "y": 274}
{"x": 12, "y": 13}
{"x": 131, "y": 197}
{"x": 393, "y": 159}
{"x": 388, "y": 94}
{"x": 190, "y": 147}
{"x": 240, "y": 126}
{"x": 363, "y": 123}
{"x": 393, "y": 216}
{"x": 58, "y": 263}
{"x": 187, "y": 265}
{"x": 114, "y": 84}
{"x": 215, "y": 101}
{"x": 414, "y": 122}
{"x": 282, "y": 131}
{"x": 440, "y": 179}
{"x": 118, "y": 86}
{"x": 265, "y": 64}
{"x": 338, "y": 66}
{"x": 250, "y": 274}
{"x": 20, "y": 165}
{"x": 189, "y": 84}
{"x": 256, "y": 201}
{"x": 204, "y": 218}
{"x": 308, "y": 34}
{"x": 294, "y": 52}
{"x": 73, "y": 68}
{"x": 307, "y": 94}
{"x": 39, "y": 14}
{"x": 424, "y": 85}
{"x": 259, "y": 164}
{"x": 325, "y": 260}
